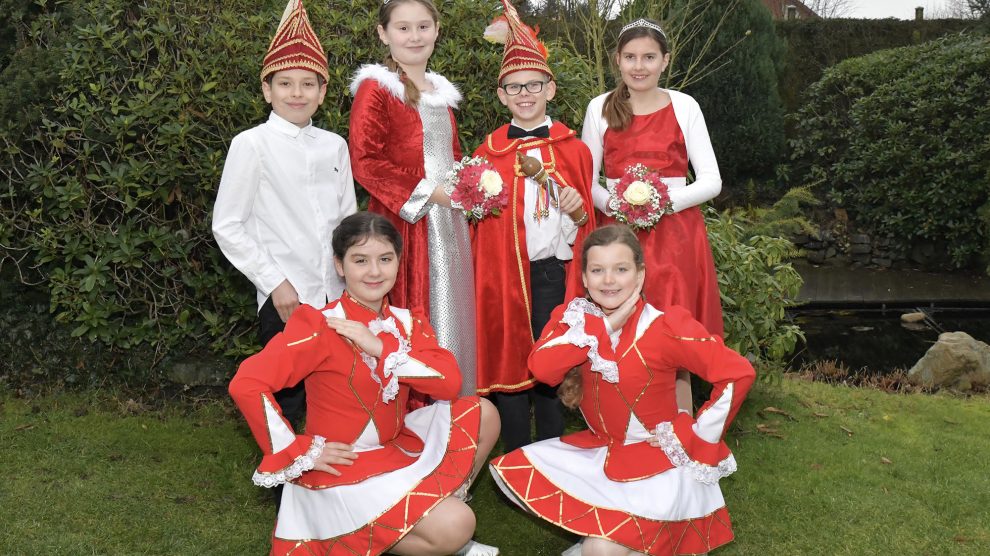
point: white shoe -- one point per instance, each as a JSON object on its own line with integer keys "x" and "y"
{"x": 573, "y": 551}
{"x": 474, "y": 548}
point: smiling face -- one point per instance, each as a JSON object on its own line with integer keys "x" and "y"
{"x": 294, "y": 94}
{"x": 369, "y": 269}
{"x": 528, "y": 109}
{"x": 410, "y": 33}
{"x": 611, "y": 275}
{"x": 641, "y": 61}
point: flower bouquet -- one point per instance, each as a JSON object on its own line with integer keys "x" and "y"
{"x": 476, "y": 188}
{"x": 639, "y": 198}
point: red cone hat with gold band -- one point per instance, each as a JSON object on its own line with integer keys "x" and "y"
{"x": 523, "y": 51}
{"x": 295, "y": 45}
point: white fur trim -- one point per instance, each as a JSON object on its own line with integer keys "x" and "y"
{"x": 445, "y": 93}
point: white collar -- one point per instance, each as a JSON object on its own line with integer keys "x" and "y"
{"x": 546, "y": 122}
{"x": 289, "y": 128}
{"x": 444, "y": 92}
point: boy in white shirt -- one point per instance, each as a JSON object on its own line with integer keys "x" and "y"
{"x": 285, "y": 186}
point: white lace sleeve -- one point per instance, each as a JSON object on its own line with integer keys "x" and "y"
{"x": 576, "y": 335}
{"x": 672, "y": 447}
{"x": 299, "y": 466}
{"x": 398, "y": 357}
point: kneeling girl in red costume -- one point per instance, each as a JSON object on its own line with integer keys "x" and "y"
{"x": 643, "y": 479}
{"x": 366, "y": 476}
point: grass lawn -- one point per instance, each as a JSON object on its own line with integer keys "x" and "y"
{"x": 825, "y": 470}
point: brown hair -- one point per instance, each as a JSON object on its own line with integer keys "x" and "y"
{"x": 617, "y": 111}
{"x": 360, "y": 227}
{"x": 384, "y": 16}
{"x": 571, "y": 389}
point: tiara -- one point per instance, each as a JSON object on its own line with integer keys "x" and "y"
{"x": 642, "y": 23}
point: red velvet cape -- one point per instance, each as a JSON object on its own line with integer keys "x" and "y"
{"x": 501, "y": 262}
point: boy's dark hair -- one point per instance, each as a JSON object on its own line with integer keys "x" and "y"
{"x": 361, "y": 226}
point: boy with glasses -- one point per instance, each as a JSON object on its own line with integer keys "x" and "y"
{"x": 524, "y": 261}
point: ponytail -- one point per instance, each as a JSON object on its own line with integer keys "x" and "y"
{"x": 617, "y": 110}
{"x": 411, "y": 96}
{"x": 571, "y": 390}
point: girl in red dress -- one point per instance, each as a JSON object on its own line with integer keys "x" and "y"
{"x": 367, "y": 476}
{"x": 403, "y": 141}
{"x": 664, "y": 130}
{"x": 643, "y": 479}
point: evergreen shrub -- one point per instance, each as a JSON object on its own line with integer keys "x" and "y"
{"x": 110, "y": 171}
{"x": 899, "y": 137}
{"x": 121, "y": 115}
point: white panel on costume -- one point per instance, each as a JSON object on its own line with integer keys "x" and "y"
{"x": 415, "y": 369}
{"x": 404, "y": 317}
{"x": 336, "y": 511}
{"x": 369, "y": 439}
{"x": 281, "y": 435}
{"x": 337, "y": 311}
{"x": 711, "y": 423}
{"x": 646, "y": 318}
{"x": 673, "y": 495}
{"x": 635, "y": 431}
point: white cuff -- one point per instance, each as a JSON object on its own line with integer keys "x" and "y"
{"x": 672, "y": 447}
{"x": 418, "y": 203}
{"x": 575, "y": 335}
{"x": 299, "y": 466}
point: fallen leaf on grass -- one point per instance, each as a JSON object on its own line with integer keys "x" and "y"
{"x": 849, "y": 432}
{"x": 816, "y": 466}
{"x": 768, "y": 430}
{"x": 775, "y": 411}
{"x": 821, "y": 415}
{"x": 23, "y": 427}
{"x": 950, "y": 421}
{"x": 885, "y": 461}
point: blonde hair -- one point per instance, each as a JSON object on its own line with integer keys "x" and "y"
{"x": 411, "y": 96}
{"x": 571, "y": 390}
{"x": 617, "y": 111}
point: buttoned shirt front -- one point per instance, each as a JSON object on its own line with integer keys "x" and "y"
{"x": 553, "y": 234}
{"x": 283, "y": 191}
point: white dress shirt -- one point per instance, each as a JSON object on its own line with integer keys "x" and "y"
{"x": 283, "y": 191}
{"x": 551, "y": 236}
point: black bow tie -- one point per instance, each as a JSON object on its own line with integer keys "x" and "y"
{"x": 516, "y": 132}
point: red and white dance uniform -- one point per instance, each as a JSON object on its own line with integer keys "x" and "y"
{"x": 608, "y": 481}
{"x": 407, "y": 463}
{"x": 680, "y": 269}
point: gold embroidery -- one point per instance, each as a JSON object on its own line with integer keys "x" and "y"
{"x": 685, "y": 338}
{"x": 507, "y": 386}
{"x": 304, "y": 340}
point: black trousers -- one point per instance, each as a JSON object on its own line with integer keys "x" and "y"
{"x": 292, "y": 400}
{"x": 547, "y": 287}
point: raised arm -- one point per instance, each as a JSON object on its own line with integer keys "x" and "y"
{"x": 287, "y": 359}
{"x": 574, "y": 334}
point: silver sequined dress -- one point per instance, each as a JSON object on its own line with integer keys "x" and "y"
{"x": 451, "y": 271}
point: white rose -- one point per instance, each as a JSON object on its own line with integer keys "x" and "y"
{"x": 638, "y": 193}
{"x": 491, "y": 183}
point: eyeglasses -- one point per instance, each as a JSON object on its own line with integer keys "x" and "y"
{"x": 516, "y": 88}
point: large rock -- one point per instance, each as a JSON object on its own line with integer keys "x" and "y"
{"x": 957, "y": 361}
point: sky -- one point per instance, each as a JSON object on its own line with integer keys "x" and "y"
{"x": 899, "y": 9}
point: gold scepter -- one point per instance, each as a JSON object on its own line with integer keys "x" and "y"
{"x": 533, "y": 168}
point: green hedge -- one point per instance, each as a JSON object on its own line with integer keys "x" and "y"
{"x": 816, "y": 44}
{"x": 899, "y": 137}
{"x": 120, "y": 126}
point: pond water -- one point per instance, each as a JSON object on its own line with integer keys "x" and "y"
{"x": 874, "y": 339}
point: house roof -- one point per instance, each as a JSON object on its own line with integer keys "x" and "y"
{"x": 779, "y": 9}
